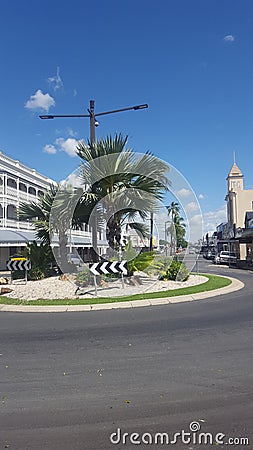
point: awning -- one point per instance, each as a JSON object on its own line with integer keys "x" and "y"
{"x": 17, "y": 237}
{"x": 21, "y": 238}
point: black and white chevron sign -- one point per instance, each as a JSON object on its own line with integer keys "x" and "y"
{"x": 18, "y": 264}
{"x": 109, "y": 267}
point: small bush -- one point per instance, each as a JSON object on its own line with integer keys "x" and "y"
{"x": 158, "y": 265}
{"x": 177, "y": 271}
{"x": 84, "y": 278}
{"x": 140, "y": 262}
{"x": 36, "y": 274}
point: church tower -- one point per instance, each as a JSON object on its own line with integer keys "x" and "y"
{"x": 235, "y": 179}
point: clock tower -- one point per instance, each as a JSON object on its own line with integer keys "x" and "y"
{"x": 235, "y": 179}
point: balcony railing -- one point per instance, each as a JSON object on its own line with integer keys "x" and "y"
{"x": 13, "y": 223}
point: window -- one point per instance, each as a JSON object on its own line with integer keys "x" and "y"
{"x": 32, "y": 191}
{"x": 22, "y": 187}
{"x": 11, "y": 212}
{"x": 11, "y": 183}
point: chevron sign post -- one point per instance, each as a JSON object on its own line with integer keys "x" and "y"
{"x": 15, "y": 264}
{"x": 108, "y": 267}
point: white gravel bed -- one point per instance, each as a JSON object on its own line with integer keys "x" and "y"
{"x": 56, "y": 288}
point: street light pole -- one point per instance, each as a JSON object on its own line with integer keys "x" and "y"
{"x": 92, "y": 121}
{"x": 151, "y": 243}
{"x": 165, "y": 235}
{"x": 92, "y": 116}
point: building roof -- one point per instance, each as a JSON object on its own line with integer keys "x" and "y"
{"x": 235, "y": 171}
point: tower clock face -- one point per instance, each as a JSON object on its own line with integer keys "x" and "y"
{"x": 235, "y": 184}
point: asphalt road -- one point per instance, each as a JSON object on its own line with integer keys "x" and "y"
{"x": 69, "y": 380}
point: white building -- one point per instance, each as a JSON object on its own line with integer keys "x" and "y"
{"x": 19, "y": 183}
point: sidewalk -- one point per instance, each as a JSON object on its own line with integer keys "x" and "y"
{"x": 236, "y": 285}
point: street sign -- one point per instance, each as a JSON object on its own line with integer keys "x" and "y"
{"x": 109, "y": 267}
{"x": 18, "y": 264}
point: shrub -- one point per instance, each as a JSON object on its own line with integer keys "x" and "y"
{"x": 140, "y": 262}
{"x": 36, "y": 274}
{"x": 41, "y": 258}
{"x": 177, "y": 271}
{"x": 158, "y": 265}
{"x": 84, "y": 278}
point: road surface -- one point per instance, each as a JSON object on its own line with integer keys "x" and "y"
{"x": 70, "y": 380}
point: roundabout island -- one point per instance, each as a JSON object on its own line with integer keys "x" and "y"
{"x": 63, "y": 294}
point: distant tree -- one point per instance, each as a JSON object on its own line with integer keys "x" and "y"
{"x": 177, "y": 227}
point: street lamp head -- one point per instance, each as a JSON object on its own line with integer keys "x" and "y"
{"x": 46, "y": 117}
{"x": 140, "y": 106}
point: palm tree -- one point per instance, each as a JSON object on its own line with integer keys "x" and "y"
{"x": 180, "y": 230}
{"x": 39, "y": 213}
{"x": 120, "y": 183}
{"x": 174, "y": 210}
{"x": 52, "y": 215}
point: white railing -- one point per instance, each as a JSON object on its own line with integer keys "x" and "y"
{"x": 22, "y": 195}
{"x": 19, "y": 225}
{"x": 80, "y": 233}
{"x": 12, "y": 191}
{"x": 25, "y": 225}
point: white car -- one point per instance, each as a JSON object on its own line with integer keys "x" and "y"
{"x": 225, "y": 257}
{"x": 74, "y": 259}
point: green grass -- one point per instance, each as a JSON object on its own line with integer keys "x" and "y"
{"x": 214, "y": 282}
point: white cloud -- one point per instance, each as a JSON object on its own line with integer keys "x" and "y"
{"x": 214, "y": 218}
{"x": 201, "y": 197}
{"x": 183, "y": 192}
{"x": 40, "y": 101}
{"x": 195, "y": 229}
{"x": 71, "y": 132}
{"x": 56, "y": 81}
{"x": 229, "y": 38}
{"x": 192, "y": 206}
{"x": 74, "y": 179}
{"x": 49, "y": 149}
{"x": 67, "y": 145}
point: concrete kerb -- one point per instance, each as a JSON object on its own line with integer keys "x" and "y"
{"x": 235, "y": 285}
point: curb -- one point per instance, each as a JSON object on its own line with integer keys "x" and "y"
{"x": 236, "y": 285}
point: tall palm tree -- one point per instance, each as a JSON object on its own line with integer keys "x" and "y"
{"x": 173, "y": 211}
{"x": 179, "y": 229}
{"x": 126, "y": 184}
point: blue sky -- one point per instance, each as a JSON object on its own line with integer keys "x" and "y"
{"x": 190, "y": 60}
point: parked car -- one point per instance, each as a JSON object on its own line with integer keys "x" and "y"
{"x": 209, "y": 254}
{"x": 75, "y": 259}
{"x": 225, "y": 257}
